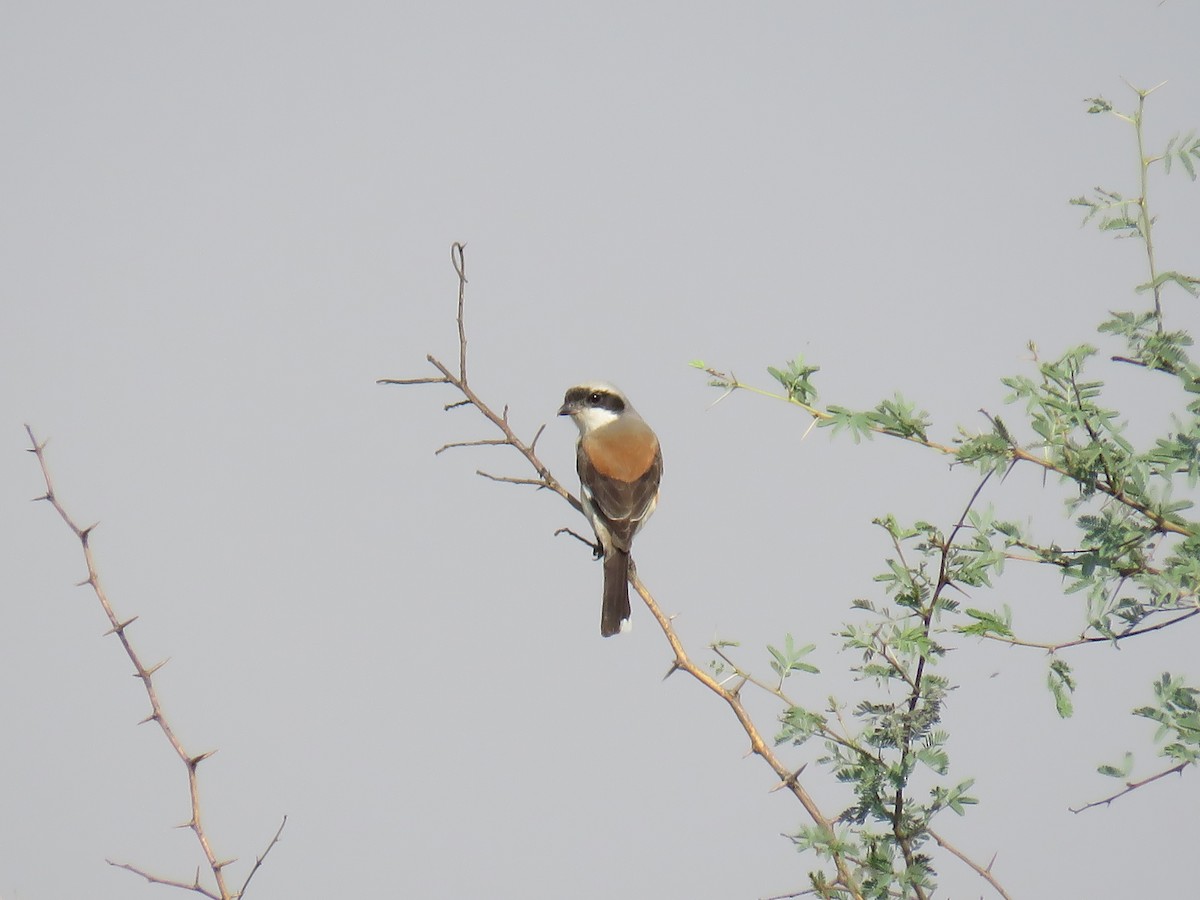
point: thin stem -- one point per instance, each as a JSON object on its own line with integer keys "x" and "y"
{"x": 1146, "y": 222}
{"x": 1134, "y": 785}
{"x": 985, "y": 872}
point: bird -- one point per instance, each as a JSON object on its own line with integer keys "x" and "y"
{"x": 620, "y": 466}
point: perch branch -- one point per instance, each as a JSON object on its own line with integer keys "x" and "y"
{"x": 682, "y": 661}
{"x": 461, "y": 383}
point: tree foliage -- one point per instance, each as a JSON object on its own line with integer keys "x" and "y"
{"x": 1134, "y": 561}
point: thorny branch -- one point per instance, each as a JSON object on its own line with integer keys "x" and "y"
{"x": 1129, "y": 632}
{"x": 916, "y": 693}
{"x": 846, "y": 883}
{"x": 1017, "y": 453}
{"x": 984, "y": 872}
{"x": 146, "y": 674}
{"x": 1134, "y": 785}
{"x": 460, "y": 383}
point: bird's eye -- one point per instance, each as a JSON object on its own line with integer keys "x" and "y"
{"x": 594, "y": 397}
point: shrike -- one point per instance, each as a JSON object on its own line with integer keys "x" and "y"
{"x": 620, "y": 465}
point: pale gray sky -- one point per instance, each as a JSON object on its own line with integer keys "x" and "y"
{"x": 223, "y": 221}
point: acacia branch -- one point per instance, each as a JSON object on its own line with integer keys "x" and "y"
{"x": 682, "y": 662}
{"x": 829, "y": 734}
{"x": 1131, "y": 786}
{"x": 984, "y": 872}
{"x": 916, "y": 681}
{"x": 758, "y": 746}
{"x": 1016, "y": 452}
{"x": 1094, "y": 639}
{"x": 193, "y": 886}
{"x": 470, "y": 398}
{"x": 258, "y": 860}
{"x": 145, "y": 674}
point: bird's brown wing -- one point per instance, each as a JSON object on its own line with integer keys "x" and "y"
{"x": 622, "y": 504}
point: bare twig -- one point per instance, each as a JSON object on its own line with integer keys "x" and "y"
{"x": 758, "y": 746}
{"x": 146, "y": 674}
{"x": 984, "y": 872}
{"x": 194, "y": 886}
{"x": 460, "y": 382}
{"x": 1131, "y": 786}
{"x": 258, "y": 860}
{"x": 1094, "y": 639}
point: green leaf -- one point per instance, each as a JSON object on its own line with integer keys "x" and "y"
{"x": 1118, "y": 771}
{"x": 1189, "y": 165}
{"x": 1061, "y": 685}
{"x": 791, "y": 658}
{"x": 987, "y": 623}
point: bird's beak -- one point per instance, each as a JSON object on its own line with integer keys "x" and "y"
{"x": 566, "y": 409}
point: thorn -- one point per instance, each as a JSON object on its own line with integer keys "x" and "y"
{"x": 533, "y": 446}
{"x": 45, "y": 496}
{"x": 222, "y": 863}
{"x": 196, "y": 760}
{"x": 146, "y": 673}
{"x": 83, "y": 535}
{"x": 719, "y": 399}
{"x": 187, "y": 824}
{"x": 153, "y": 717}
{"x": 992, "y": 861}
{"x": 456, "y": 405}
{"x": 789, "y": 781}
{"x": 85, "y": 582}
{"x": 120, "y": 626}
{"x": 671, "y": 671}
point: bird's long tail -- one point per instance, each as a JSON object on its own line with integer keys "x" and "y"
{"x": 616, "y": 593}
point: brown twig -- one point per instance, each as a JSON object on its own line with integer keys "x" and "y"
{"x": 461, "y": 383}
{"x": 1096, "y": 639}
{"x": 1131, "y": 786}
{"x": 758, "y": 746}
{"x": 145, "y": 673}
{"x": 984, "y": 872}
{"x": 194, "y": 886}
{"x": 258, "y": 860}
